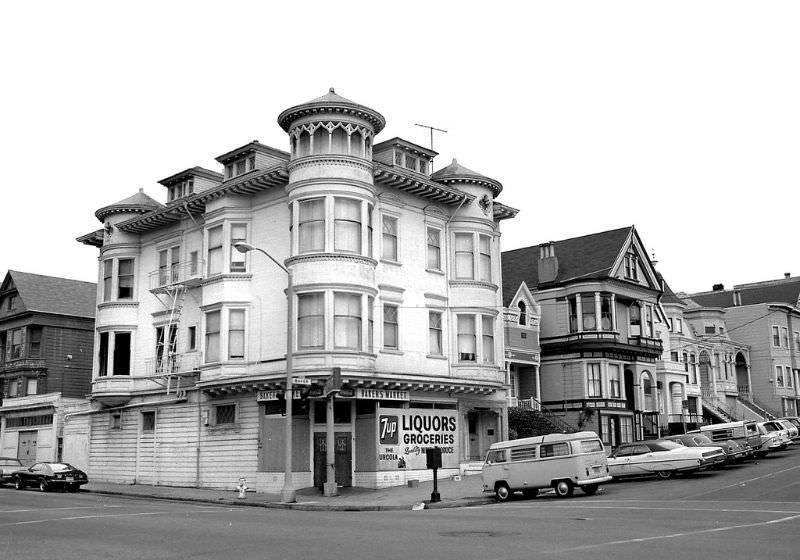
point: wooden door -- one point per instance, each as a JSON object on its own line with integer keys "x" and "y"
{"x": 342, "y": 459}
{"x": 26, "y": 449}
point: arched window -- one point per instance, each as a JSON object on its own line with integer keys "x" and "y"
{"x": 523, "y": 315}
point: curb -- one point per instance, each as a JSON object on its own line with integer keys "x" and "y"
{"x": 300, "y": 506}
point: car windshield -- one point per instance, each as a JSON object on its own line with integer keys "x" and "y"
{"x": 770, "y": 428}
{"x": 60, "y": 467}
{"x": 702, "y": 440}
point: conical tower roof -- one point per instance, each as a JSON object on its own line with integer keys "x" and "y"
{"x": 331, "y": 102}
{"x": 139, "y": 203}
{"x": 457, "y": 173}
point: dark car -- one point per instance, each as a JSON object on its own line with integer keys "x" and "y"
{"x": 8, "y": 465}
{"x": 46, "y": 476}
{"x": 734, "y": 452}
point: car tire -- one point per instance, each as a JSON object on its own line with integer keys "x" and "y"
{"x": 590, "y": 489}
{"x": 18, "y": 484}
{"x": 563, "y": 488}
{"x": 43, "y": 487}
{"x": 502, "y": 492}
{"x": 665, "y": 475}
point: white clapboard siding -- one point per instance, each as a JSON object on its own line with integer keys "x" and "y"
{"x": 112, "y": 456}
{"x": 230, "y": 453}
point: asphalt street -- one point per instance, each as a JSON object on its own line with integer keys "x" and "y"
{"x": 749, "y": 511}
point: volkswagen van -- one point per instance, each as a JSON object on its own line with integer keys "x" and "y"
{"x": 558, "y": 461}
{"x": 746, "y": 433}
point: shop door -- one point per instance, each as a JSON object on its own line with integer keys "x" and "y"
{"x": 342, "y": 459}
{"x": 26, "y": 449}
{"x": 474, "y": 436}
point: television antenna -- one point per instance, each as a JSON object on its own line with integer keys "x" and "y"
{"x": 431, "y": 128}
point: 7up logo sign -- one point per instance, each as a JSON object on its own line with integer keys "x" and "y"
{"x": 388, "y": 429}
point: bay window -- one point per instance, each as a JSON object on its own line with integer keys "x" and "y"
{"x": 466, "y": 338}
{"x": 614, "y": 390}
{"x": 593, "y": 380}
{"x": 348, "y": 219}
{"x": 310, "y": 321}
{"x": 114, "y": 354}
{"x": 484, "y": 258}
{"x": 347, "y": 320}
{"x": 238, "y": 235}
{"x": 215, "y": 251}
{"x": 347, "y": 225}
{"x": 213, "y": 327}
{"x": 236, "y": 333}
{"x": 118, "y": 279}
{"x": 487, "y": 334}
{"x": 311, "y": 225}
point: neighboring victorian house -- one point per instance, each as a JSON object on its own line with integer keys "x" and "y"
{"x": 46, "y": 335}
{"x": 601, "y": 329}
{"x": 766, "y": 317}
{"x": 700, "y": 367}
{"x": 394, "y": 285}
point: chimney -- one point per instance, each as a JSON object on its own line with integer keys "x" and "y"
{"x": 787, "y": 275}
{"x": 718, "y": 287}
{"x": 548, "y": 262}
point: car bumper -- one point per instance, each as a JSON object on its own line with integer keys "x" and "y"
{"x": 597, "y": 480}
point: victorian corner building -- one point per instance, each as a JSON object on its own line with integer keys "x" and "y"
{"x": 395, "y": 284}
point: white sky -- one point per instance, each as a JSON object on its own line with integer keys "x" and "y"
{"x": 681, "y": 118}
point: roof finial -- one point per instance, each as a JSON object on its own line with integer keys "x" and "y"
{"x": 331, "y": 90}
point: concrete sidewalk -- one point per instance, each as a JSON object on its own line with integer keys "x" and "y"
{"x": 454, "y": 493}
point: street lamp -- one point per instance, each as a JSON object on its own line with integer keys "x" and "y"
{"x": 288, "y": 492}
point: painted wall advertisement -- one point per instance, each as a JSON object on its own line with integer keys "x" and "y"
{"x": 405, "y": 433}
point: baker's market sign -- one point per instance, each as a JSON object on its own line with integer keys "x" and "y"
{"x": 405, "y": 433}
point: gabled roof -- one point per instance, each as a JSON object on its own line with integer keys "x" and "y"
{"x": 785, "y": 290}
{"x": 579, "y": 258}
{"x": 48, "y": 294}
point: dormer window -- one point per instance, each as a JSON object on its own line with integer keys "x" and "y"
{"x": 181, "y": 189}
{"x": 523, "y": 314}
{"x": 240, "y": 167}
{"x": 631, "y": 265}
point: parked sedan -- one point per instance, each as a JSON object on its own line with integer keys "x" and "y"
{"x": 660, "y": 457}
{"x": 46, "y": 476}
{"x": 7, "y": 467}
{"x": 734, "y": 452}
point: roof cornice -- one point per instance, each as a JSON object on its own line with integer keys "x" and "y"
{"x": 397, "y": 178}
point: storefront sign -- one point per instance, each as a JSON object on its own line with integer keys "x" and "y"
{"x": 382, "y": 395}
{"x": 405, "y": 433}
{"x": 273, "y": 395}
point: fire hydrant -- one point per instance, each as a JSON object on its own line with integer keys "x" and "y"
{"x": 242, "y": 488}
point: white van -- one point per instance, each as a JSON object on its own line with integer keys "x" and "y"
{"x": 558, "y": 461}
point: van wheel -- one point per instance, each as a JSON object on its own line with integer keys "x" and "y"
{"x": 563, "y": 488}
{"x": 18, "y": 484}
{"x": 502, "y": 492}
{"x": 665, "y": 474}
{"x": 590, "y": 489}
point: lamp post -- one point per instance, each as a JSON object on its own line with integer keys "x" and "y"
{"x": 287, "y": 492}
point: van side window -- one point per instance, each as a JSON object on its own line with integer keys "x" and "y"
{"x": 522, "y": 453}
{"x": 553, "y": 449}
{"x": 497, "y": 456}
{"x": 591, "y": 445}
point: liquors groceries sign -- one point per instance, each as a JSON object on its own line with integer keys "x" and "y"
{"x": 404, "y": 434}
